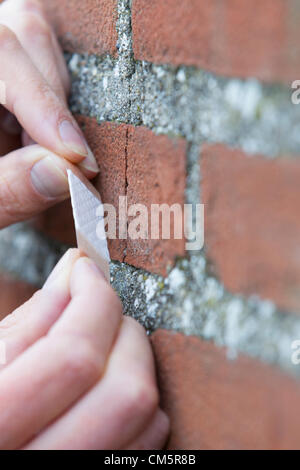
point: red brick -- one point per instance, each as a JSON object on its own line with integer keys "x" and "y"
{"x": 88, "y": 26}
{"x": 232, "y": 38}
{"x": 155, "y": 175}
{"x": 252, "y": 223}
{"x": 146, "y": 167}
{"x": 13, "y": 293}
{"x": 214, "y": 403}
{"x": 108, "y": 142}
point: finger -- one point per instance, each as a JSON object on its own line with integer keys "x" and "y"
{"x": 28, "y": 323}
{"x": 155, "y": 436}
{"x": 31, "y": 180}
{"x": 87, "y": 283}
{"x": 38, "y": 109}
{"x": 36, "y": 37}
{"x": 118, "y": 408}
{"x": 58, "y": 369}
{"x": 61, "y": 64}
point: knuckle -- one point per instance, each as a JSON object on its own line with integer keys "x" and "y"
{"x": 8, "y": 39}
{"x": 46, "y": 96}
{"x": 141, "y": 397}
{"x": 31, "y": 5}
{"x": 10, "y": 201}
{"x": 43, "y": 91}
{"x": 81, "y": 360}
{"x": 35, "y": 27}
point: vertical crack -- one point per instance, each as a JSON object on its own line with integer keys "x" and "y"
{"x": 126, "y": 186}
{"x": 126, "y": 67}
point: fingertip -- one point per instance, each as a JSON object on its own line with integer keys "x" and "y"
{"x": 89, "y": 165}
{"x": 86, "y": 268}
{"x": 60, "y": 276}
{"x": 72, "y": 138}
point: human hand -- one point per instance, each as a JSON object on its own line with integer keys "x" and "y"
{"x": 78, "y": 375}
{"x": 36, "y": 83}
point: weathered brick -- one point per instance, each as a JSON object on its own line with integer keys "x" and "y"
{"x": 155, "y": 175}
{"x": 216, "y": 403}
{"x": 252, "y": 225}
{"x": 108, "y": 142}
{"x": 235, "y": 38}
{"x": 88, "y": 26}
{"x": 13, "y": 293}
{"x": 149, "y": 169}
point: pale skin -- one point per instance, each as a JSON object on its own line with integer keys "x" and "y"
{"x": 78, "y": 375}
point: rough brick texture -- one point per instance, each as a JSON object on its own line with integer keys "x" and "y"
{"x": 108, "y": 143}
{"x": 149, "y": 169}
{"x": 236, "y": 38}
{"x": 84, "y": 26}
{"x": 252, "y": 228}
{"x": 13, "y": 294}
{"x": 155, "y": 175}
{"x": 214, "y": 403}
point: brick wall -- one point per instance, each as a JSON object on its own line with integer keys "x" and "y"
{"x": 188, "y": 101}
{"x": 233, "y": 38}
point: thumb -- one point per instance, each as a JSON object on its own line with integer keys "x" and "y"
{"x": 31, "y": 180}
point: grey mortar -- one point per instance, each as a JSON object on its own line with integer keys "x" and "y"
{"x": 178, "y": 101}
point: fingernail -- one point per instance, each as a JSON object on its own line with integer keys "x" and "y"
{"x": 90, "y": 162}
{"x": 49, "y": 179}
{"x": 60, "y": 275}
{"x": 72, "y": 139}
{"x": 87, "y": 263}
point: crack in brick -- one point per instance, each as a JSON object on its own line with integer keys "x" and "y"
{"x": 126, "y": 185}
